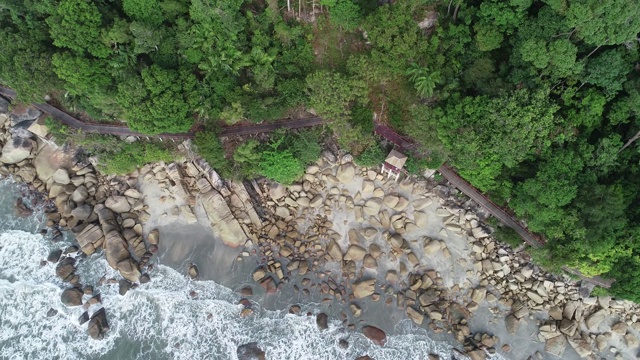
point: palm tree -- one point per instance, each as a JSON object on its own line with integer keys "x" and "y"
{"x": 423, "y": 81}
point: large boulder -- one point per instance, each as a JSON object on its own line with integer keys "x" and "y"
{"x": 277, "y": 191}
{"x": 80, "y": 194}
{"x": 61, "y": 176}
{"x": 90, "y": 239}
{"x": 117, "y": 204}
{"x": 128, "y": 268}
{"x": 154, "y": 237}
{"x": 374, "y": 334}
{"x": 116, "y": 248}
{"x": 98, "y": 325}
{"x": 512, "y": 324}
{"x": 17, "y": 149}
{"x": 71, "y": 297}
{"x": 346, "y": 173}
{"x": 431, "y": 246}
{"x": 355, "y": 253}
{"x": 82, "y": 212}
{"x": 224, "y": 224}
{"x": 364, "y": 288}
{"x": 596, "y": 318}
{"x": 334, "y": 250}
{"x": 372, "y": 206}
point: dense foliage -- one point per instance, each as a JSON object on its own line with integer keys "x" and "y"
{"x": 536, "y": 102}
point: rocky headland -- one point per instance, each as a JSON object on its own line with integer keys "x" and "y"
{"x": 343, "y": 234}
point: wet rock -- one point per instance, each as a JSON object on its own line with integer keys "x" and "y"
{"x": 52, "y": 312}
{"x": 98, "y": 325}
{"x": 375, "y": 334}
{"x": 123, "y": 286}
{"x": 416, "y": 316}
{"x": 83, "y": 318}
{"x": 568, "y": 327}
{"x": 71, "y": 297}
{"x": 355, "y": 310}
{"x": 193, "y": 271}
{"x": 294, "y": 309}
{"x": 369, "y": 262}
{"x": 343, "y": 344}
{"x": 65, "y": 270}
{"x": 246, "y": 291}
{"x": 322, "y": 320}
{"x": 250, "y": 351}
{"x": 144, "y": 278}
{"x": 54, "y": 256}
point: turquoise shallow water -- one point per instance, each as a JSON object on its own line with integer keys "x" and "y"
{"x": 159, "y": 320}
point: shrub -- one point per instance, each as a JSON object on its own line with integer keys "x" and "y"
{"x": 373, "y": 156}
{"x": 280, "y": 164}
{"x": 209, "y": 148}
{"x": 131, "y": 156}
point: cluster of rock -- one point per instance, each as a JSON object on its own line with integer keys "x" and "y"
{"x": 103, "y": 213}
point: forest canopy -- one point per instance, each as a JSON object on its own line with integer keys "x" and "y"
{"x": 536, "y": 103}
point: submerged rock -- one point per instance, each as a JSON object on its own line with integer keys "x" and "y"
{"x": 250, "y": 351}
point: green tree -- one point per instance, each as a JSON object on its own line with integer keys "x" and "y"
{"x": 158, "y": 101}
{"x": 484, "y": 134}
{"x": 148, "y": 11}
{"x": 604, "y": 22}
{"x": 77, "y": 25}
{"x": 332, "y": 94}
{"x": 344, "y": 13}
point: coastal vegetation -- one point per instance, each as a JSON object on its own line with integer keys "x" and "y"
{"x": 536, "y": 103}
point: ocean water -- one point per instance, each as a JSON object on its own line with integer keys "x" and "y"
{"x": 158, "y": 320}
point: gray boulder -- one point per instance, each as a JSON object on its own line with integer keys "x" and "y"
{"x": 17, "y": 149}
{"x": 117, "y": 204}
{"x": 556, "y": 346}
{"x": 61, "y": 176}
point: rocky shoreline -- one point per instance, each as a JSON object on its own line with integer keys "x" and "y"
{"x": 343, "y": 231}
